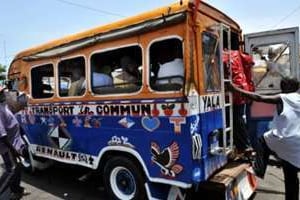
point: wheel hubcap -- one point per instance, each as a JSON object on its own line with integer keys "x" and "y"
{"x": 122, "y": 183}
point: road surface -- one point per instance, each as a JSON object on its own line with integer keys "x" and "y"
{"x": 61, "y": 182}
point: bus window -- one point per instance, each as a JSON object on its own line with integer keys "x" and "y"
{"x": 117, "y": 71}
{"x": 272, "y": 62}
{"x": 211, "y": 61}
{"x": 72, "y": 77}
{"x": 42, "y": 81}
{"x": 166, "y": 64}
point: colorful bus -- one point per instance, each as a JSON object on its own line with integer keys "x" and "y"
{"x": 140, "y": 100}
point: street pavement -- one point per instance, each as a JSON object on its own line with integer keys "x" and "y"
{"x": 272, "y": 186}
{"x": 61, "y": 182}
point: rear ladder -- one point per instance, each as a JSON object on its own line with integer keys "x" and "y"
{"x": 226, "y": 99}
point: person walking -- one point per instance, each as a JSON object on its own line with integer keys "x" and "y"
{"x": 11, "y": 145}
{"x": 283, "y": 139}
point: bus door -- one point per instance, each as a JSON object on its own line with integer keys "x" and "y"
{"x": 276, "y": 55}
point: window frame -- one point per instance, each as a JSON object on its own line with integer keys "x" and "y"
{"x": 31, "y": 79}
{"x": 160, "y": 39}
{"x": 86, "y": 71}
{"x": 267, "y": 73}
{"x": 218, "y": 89}
{"x": 113, "y": 48}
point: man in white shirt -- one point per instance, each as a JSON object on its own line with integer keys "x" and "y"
{"x": 283, "y": 138}
{"x": 173, "y": 68}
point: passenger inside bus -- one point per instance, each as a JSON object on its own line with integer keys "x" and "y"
{"x": 102, "y": 76}
{"x": 167, "y": 68}
{"x": 42, "y": 82}
{"x": 172, "y": 68}
{"x": 78, "y": 79}
{"x": 129, "y": 76}
{"x": 40, "y": 89}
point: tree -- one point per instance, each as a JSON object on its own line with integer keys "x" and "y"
{"x": 2, "y": 72}
{"x": 2, "y": 68}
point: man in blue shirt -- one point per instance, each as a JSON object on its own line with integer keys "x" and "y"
{"x": 11, "y": 145}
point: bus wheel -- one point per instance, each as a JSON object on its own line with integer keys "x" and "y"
{"x": 123, "y": 179}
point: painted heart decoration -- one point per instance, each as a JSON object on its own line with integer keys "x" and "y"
{"x": 150, "y": 123}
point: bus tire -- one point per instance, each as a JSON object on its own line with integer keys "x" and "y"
{"x": 123, "y": 179}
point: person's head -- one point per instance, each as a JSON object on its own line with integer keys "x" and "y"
{"x": 77, "y": 73}
{"x": 106, "y": 69}
{"x": 128, "y": 64}
{"x": 271, "y": 53}
{"x": 288, "y": 85}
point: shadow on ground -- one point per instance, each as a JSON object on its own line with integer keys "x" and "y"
{"x": 62, "y": 181}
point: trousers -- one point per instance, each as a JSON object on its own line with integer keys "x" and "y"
{"x": 241, "y": 138}
{"x": 12, "y": 175}
{"x": 291, "y": 181}
{"x": 290, "y": 172}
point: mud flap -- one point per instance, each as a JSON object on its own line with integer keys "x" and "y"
{"x": 234, "y": 182}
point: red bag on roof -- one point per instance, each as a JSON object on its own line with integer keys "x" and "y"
{"x": 241, "y": 64}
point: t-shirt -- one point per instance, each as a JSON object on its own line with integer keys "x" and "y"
{"x": 100, "y": 79}
{"x": 240, "y": 68}
{"x": 76, "y": 87}
{"x": 173, "y": 68}
{"x": 284, "y": 136}
{"x": 124, "y": 80}
{"x": 9, "y": 127}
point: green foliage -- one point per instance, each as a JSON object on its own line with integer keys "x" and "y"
{"x": 2, "y": 72}
{"x": 2, "y": 68}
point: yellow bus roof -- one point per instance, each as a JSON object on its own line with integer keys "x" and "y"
{"x": 157, "y": 13}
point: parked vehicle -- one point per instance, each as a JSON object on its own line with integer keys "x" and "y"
{"x": 162, "y": 134}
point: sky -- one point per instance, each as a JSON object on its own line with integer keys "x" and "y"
{"x": 25, "y": 24}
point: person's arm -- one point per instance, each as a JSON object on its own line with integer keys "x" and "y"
{"x": 273, "y": 99}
